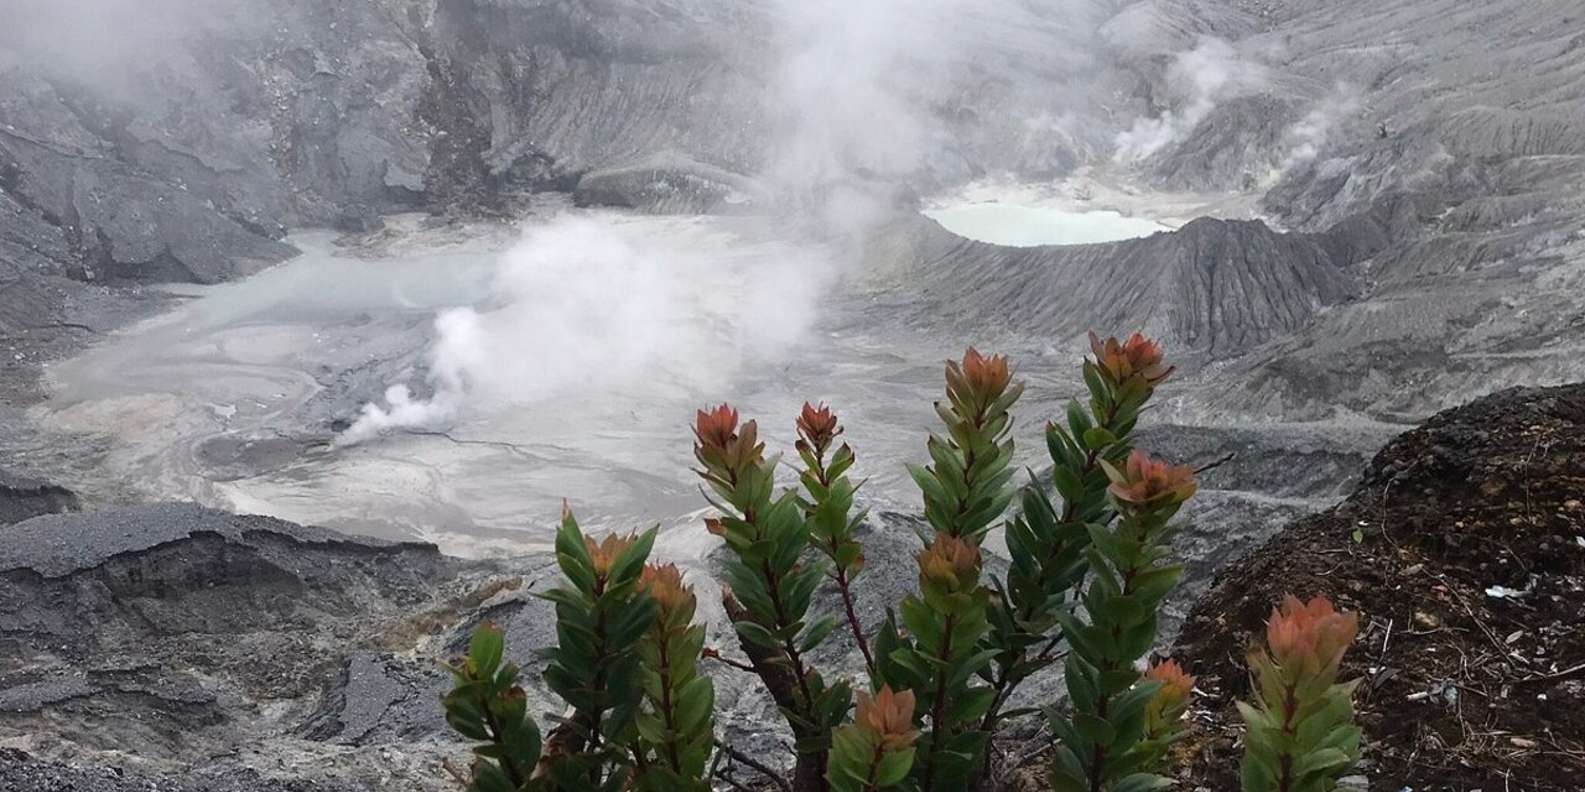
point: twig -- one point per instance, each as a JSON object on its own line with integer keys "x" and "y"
{"x": 711, "y": 653}
{"x": 1384, "y": 491}
{"x": 452, "y": 770}
{"x": 1502, "y": 649}
{"x": 1212, "y": 465}
{"x": 1567, "y": 672}
{"x": 732, "y": 782}
{"x": 738, "y": 756}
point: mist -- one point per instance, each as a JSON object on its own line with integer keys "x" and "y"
{"x": 107, "y": 43}
{"x": 585, "y": 306}
{"x": 1311, "y": 132}
{"x": 1198, "y": 80}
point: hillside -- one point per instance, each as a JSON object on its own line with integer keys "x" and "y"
{"x": 1463, "y": 549}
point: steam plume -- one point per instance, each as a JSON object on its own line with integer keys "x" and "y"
{"x": 590, "y": 306}
{"x": 1197, "y": 81}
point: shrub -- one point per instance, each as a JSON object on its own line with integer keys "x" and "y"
{"x": 940, "y": 671}
{"x": 1302, "y": 736}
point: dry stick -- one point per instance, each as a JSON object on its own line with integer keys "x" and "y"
{"x": 738, "y": 756}
{"x": 1214, "y": 464}
{"x": 731, "y": 782}
{"x": 1567, "y": 672}
{"x": 1502, "y": 649}
{"x": 1384, "y": 491}
{"x": 711, "y": 653}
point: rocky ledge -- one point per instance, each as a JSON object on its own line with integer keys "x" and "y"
{"x": 1463, "y": 549}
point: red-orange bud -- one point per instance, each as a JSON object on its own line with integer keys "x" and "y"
{"x": 949, "y": 562}
{"x": 716, "y": 428}
{"x": 1175, "y": 684}
{"x": 817, "y": 426}
{"x": 986, "y": 375}
{"x": 604, "y": 554}
{"x": 1144, "y": 480}
{"x": 1138, "y": 356}
{"x": 888, "y": 716}
{"x": 663, "y": 584}
{"x": 1310, "y": 637}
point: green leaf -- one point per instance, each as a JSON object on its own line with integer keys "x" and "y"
{"x": 1142, "y": 782}
{"x": 817, "y": 632}
{"x": 1099, "y": 438}
{"x": 757, "y": 635}
{"x": 628, "y": 565}
{"x": 927, "y": 483}
{"x": 894, "y": 767}
{"x": 1094, "y": 728}
{"x": 485, "y": 649}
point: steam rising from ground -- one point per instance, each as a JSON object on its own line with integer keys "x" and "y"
{"x": 855, "y": 97}
{"x": 853, "y": 88}
{"x": 1312, "y": 131}
{"x": 585, "y": 306}
{"x": 1197, "y": 81}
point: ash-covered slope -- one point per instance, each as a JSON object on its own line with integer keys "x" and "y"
{"x": 1420, "y": 171}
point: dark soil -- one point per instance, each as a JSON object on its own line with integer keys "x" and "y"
{"x": 1466, "y": 686}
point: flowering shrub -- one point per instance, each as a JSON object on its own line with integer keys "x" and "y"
{"x": 876, "y": 750}
{"x": 1302, "y": 736}
{"x": 1088, "y": 570}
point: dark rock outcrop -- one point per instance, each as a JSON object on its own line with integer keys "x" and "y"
{"x": 162, "y": 629}
{"x": 22, "y": 498}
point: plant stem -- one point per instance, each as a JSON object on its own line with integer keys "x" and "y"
{"x": 664, "y": 656}
{"x": 1290, "y": 710}
{"x": 1006, "y": 685}
{"x": 1103, "y": 704}
{"x": 844, "y": 584}
{"x": 853, "y": 621}
{"x": 938, "y": 707}
{"x": 497, "y": 736}
{"x": 773, "y": 584}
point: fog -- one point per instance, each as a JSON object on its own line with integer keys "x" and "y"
{"x": 1197, "y": 82}
{"x": 584, "y": 307}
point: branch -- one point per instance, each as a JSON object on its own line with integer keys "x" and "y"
{"x": 769, "y": 772}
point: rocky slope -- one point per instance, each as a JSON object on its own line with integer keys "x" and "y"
{"x": 246, "y": 647}
{"x": 21, "y": 498}
{"x": 1215, "y": 286}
